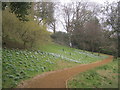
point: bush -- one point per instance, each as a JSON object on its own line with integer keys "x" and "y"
{"x": 27, "y": 34}
{"x": 61, "y": 38}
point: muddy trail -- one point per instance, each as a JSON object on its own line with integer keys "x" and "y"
{"x": 58, "y": 79}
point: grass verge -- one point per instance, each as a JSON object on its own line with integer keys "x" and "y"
{"x": 101, "y": 77}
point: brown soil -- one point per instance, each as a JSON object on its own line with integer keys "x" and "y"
{"x": 58, "y": 79}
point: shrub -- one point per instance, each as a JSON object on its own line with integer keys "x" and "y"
{"x": 61, "y": 38}
{"x": 28, "y": 34}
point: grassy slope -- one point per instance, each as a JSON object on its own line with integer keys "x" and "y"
{"x": 72, "y": 53}
{"x": 23, "y": 64}
{"x": 0, "y": 68}
{"x": 101, "y": 77}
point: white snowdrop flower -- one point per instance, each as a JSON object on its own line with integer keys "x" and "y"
{"x": 36, "y": 53}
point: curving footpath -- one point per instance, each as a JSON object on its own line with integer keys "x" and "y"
{"x": 58, "y": 79}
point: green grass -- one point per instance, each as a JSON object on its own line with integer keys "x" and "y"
{"x": 101, "y": 77}
{"x": 24, "y": 64}
{"x": 72, "y": 53}
{"x": 0, "y": 69}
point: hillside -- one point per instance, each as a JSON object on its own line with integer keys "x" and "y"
{"x": 19, "y": 65}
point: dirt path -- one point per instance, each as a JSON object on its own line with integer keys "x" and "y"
{"x": 57, "y": 79}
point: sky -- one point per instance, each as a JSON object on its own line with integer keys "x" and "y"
{"x": 97, "y": 1}
{"x": 102, "y": 1}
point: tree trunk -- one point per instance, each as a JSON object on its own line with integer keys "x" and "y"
{"x": 91, "y": 47}
{"x": 31, "y": 44}
{"x": 70, "y": 43}
{"x": 54, "y": 27}
{"x": 118, "y": 31}
{"x": 98, "y": 52}
{"x": 24, "y": 44}
{"x": 92, "y": 50}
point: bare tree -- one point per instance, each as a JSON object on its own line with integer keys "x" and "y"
{"x": 75, "y": 16}
{"x": 118, "y": 31}
{"x": 111, "y": 11}
{"x": 68, "y": 15}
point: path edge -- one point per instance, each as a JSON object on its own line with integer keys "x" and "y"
{"x": 66, "y": 82}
